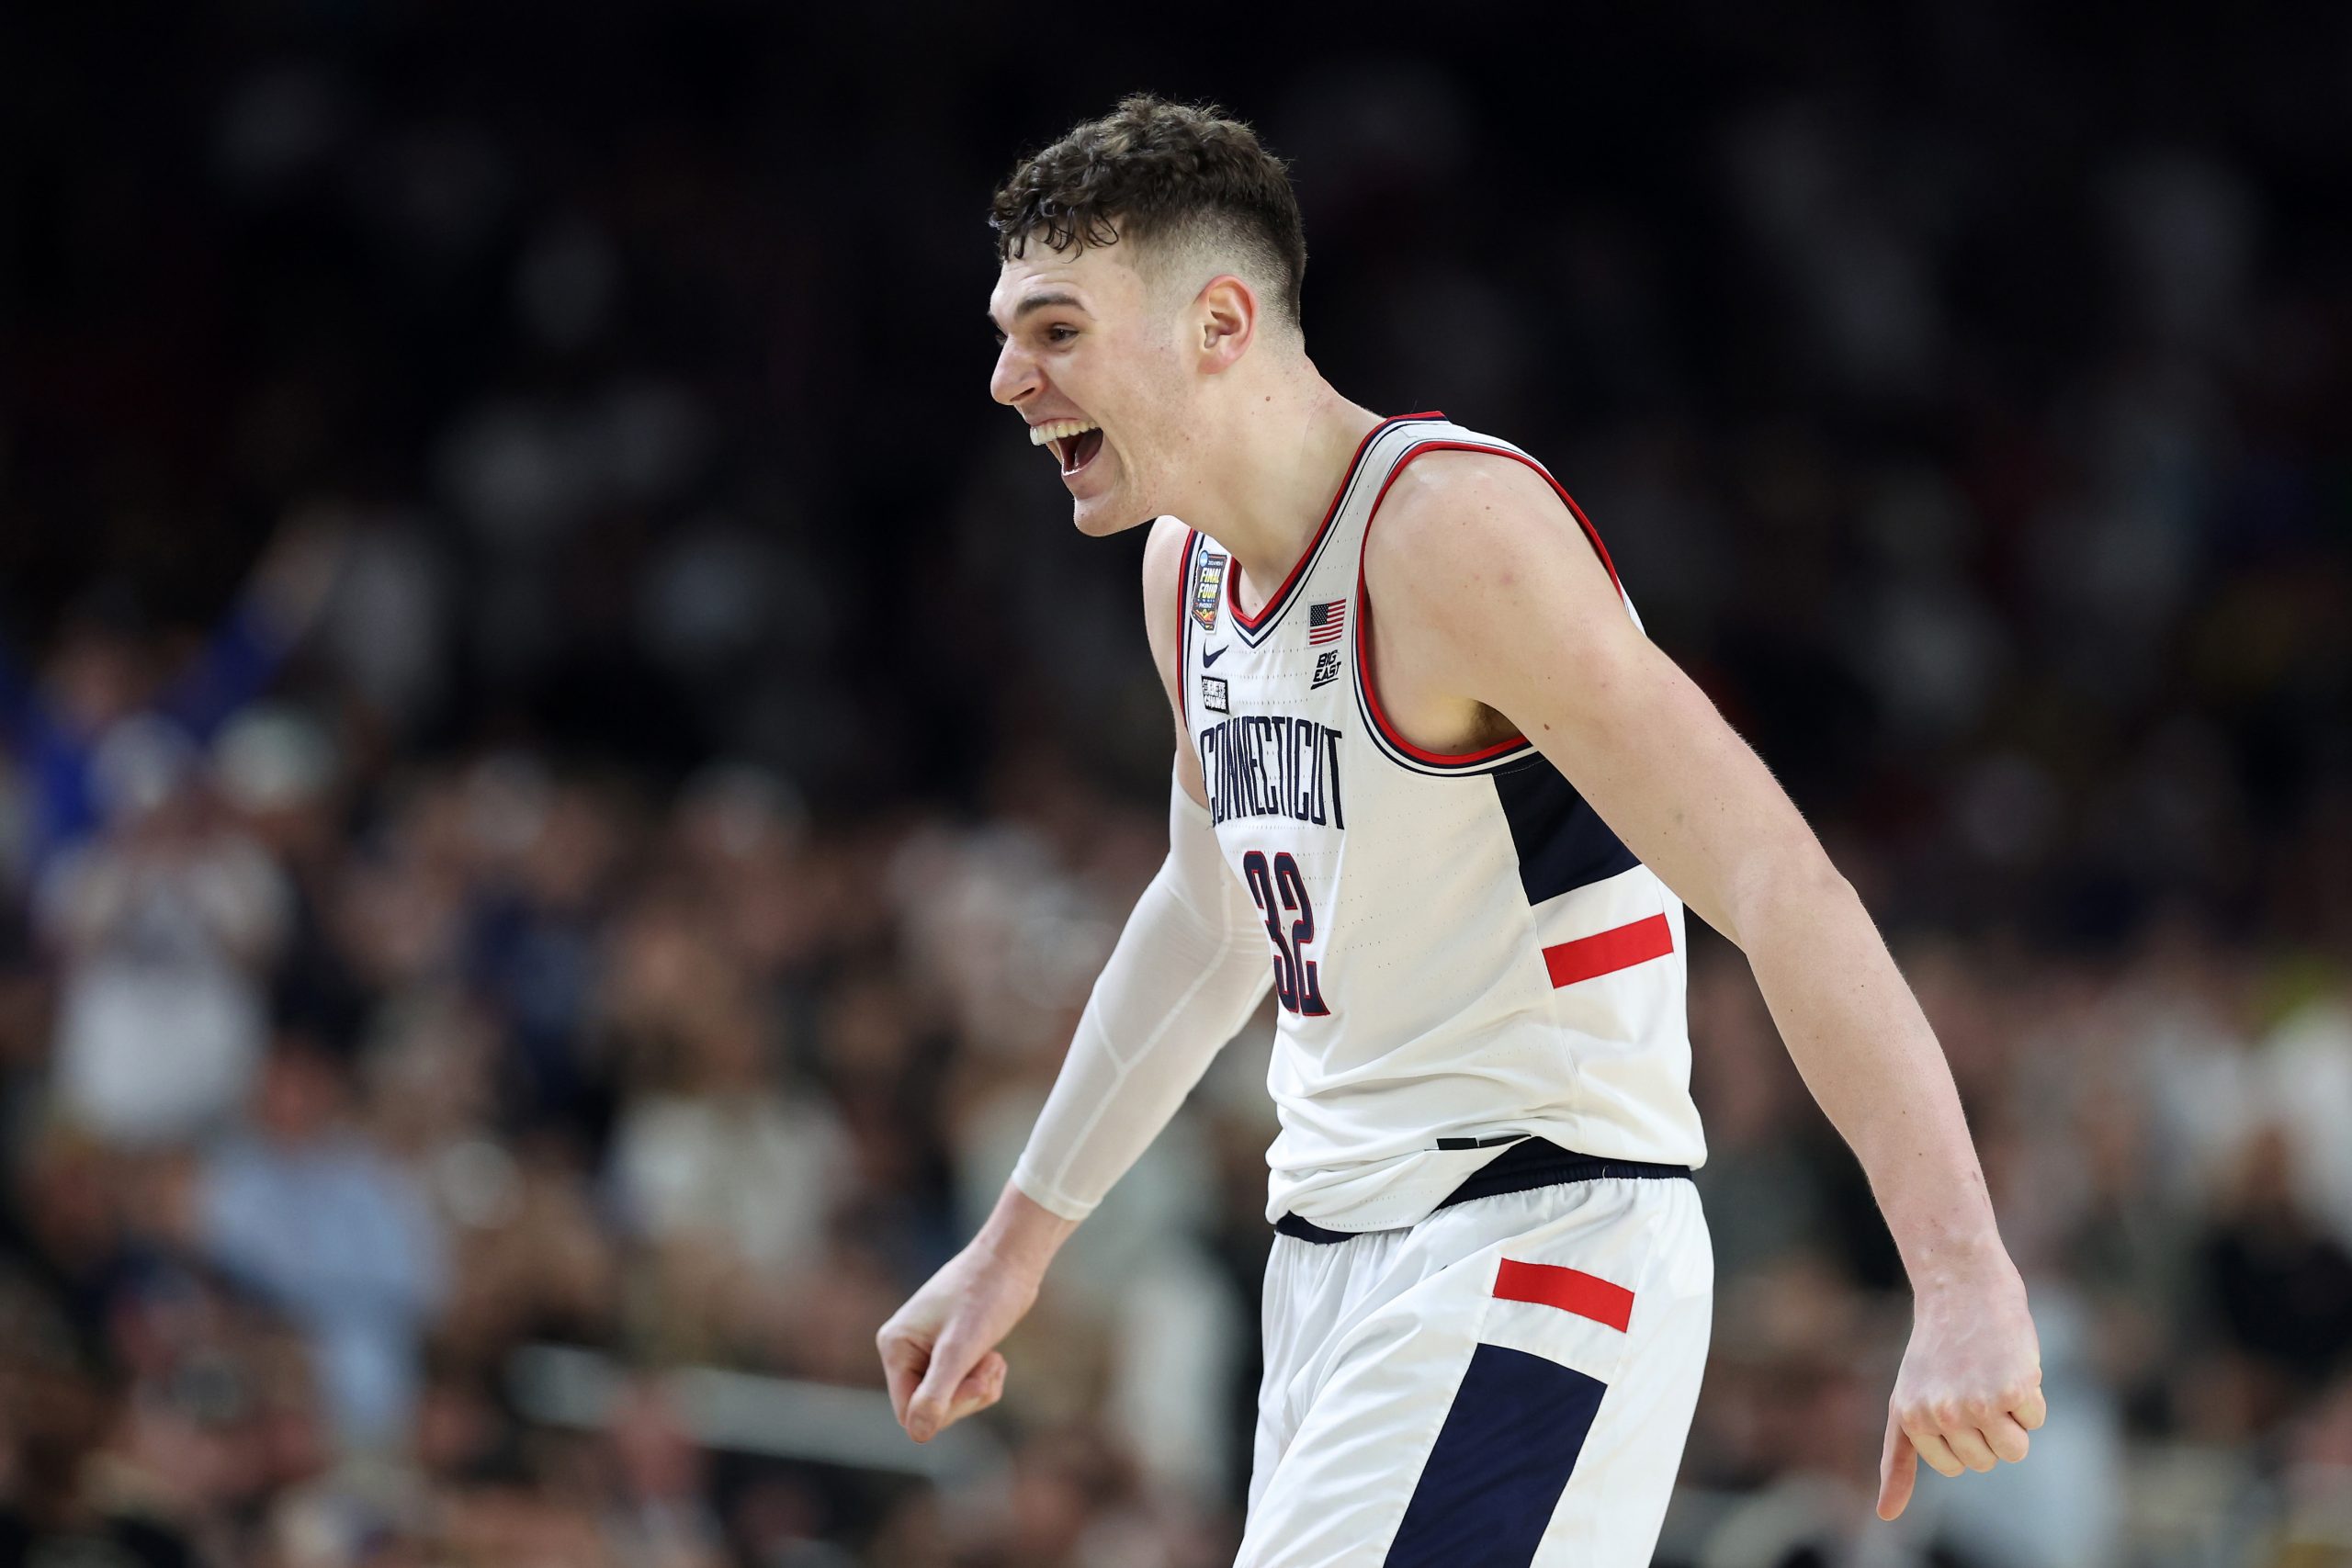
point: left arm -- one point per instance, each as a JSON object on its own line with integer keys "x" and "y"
{"x": 1505, "y": 603}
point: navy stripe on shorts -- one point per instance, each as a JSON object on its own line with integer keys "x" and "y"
{"x": 1501, "y": 1463}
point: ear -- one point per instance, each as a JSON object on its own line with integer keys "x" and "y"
{"x": 1225, "y": 314}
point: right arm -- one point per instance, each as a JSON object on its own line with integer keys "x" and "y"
{"x": 1187, "y": 972}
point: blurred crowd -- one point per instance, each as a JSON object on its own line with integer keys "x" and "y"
{"x": 563, "y": 778}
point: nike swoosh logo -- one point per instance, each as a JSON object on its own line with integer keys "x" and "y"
{"x": 1214, "y": 654}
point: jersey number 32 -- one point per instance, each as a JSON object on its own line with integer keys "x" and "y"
{"x": 1281, "y": 891}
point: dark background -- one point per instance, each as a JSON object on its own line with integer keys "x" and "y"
{"x": 555, "y": 734}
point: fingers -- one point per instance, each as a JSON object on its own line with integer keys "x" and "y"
{"x": 982, "y": 1387}
{"x": 934, "y": 1404}
{"x": 916, "y": 1376}
{"x": 1898, "y": 1470}
{"x": 1969, "y": 1446}
{"x": 1935, "y": 1451}
{"x": 903, "y": 1362}
{"x": 2007, "y": 1438}
{"x": 987, "y": 1373}
{"x": 2031, "y": 1410}
{"x": 1951, "y": 1439}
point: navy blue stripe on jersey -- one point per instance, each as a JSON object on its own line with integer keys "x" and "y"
{"x": 1254, "y": 630}
{"x": 1502, "y": 1460}
{"x": 1563, "y": 844}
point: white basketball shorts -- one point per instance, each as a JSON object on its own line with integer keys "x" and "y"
{"x": 1506, "y": 1385}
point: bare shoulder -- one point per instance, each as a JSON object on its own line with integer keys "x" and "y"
{"x": 1163, "y": 558}
{"x": 1472, "y": 530}
{"x": 1163, "y": 555}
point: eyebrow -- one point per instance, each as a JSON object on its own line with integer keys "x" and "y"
{"x": 1044, "y": 302}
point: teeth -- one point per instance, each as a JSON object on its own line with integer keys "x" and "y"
{"x": 1058, "y": 430}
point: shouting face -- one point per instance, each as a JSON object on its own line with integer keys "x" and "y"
{"x": 1094, "y": 361}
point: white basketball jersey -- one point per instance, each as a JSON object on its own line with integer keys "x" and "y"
{"x": 1464, "y": 952}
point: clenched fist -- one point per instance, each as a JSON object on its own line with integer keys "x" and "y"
{"x": 1970, "y": 1390}
{"x": 939, "y": 1351}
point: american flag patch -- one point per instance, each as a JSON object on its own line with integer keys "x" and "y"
{"x": 1327, "y": 620}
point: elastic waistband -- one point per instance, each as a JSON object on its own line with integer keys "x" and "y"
{"x": 1530, "y": 1163}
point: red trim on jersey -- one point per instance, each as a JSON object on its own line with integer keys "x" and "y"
{"x": 1363, "y": 602}
{"x": 1267, "y": 610}
{"x": 1570, "y": 1289}
{"x": 1184, "y": 625}
{"x": 1605, "y": 952}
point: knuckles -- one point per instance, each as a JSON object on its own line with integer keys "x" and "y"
{"x": 1946, "y": 1413}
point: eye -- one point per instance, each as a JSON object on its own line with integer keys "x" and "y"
{"x": 1060, "y": 334}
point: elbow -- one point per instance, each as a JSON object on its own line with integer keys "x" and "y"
{"x": 1796, "y": 886}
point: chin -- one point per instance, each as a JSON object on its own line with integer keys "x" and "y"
{"x": 1104, "y": 515}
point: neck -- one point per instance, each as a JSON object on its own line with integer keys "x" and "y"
{"x": 1282, "y": 447}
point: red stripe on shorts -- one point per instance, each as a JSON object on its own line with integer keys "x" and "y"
{"x": 1605, "y": 952}
{"x": 1545, "y": 1284}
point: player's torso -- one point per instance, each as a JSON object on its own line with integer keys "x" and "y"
{"x": 1462, "y": 950}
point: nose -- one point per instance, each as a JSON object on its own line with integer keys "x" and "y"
{"x": 1015, "y": 377}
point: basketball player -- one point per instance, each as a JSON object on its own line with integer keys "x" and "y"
{"x": 1435, "y": 788}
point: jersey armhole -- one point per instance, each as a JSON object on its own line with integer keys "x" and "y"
{"x": 1390, "y": 739}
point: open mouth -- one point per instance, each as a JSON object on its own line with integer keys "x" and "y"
{"x": 1075, "y": 442}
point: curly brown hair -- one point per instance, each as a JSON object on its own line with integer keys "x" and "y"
{"x": 1151, "y": 171}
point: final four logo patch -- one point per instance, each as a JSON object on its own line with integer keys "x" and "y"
{"x": 1208, "y": 587}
